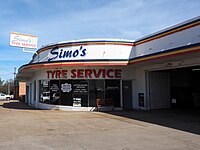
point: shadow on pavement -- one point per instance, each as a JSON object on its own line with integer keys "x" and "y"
{"x": 15, "y": 104}
{"x": 184, "y": 120}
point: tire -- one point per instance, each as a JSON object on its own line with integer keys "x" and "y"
{"x": 46, "y": 101}
{"x": 7, "y": 98}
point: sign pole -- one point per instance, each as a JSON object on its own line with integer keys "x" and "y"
{"x": 23, "y": 49}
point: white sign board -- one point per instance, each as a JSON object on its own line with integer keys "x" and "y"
{"x": 89, "y": 52}
{"x": 23, "y": 40}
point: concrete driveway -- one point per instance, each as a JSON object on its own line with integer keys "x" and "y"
{"x": 25, "y": 128}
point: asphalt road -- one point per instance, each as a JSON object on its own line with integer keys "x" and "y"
{"x": 22, "y": 127}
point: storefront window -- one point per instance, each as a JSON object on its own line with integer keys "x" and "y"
{"x": 80, "y": 90}
{"x": 112, "y": 91}
{"x": 66, "y": 91}
{"x": 96, "y": 91}
{"x": 44, "y": 91}
{"x": 54, "y": 92}
{"x": 79, "y": 93}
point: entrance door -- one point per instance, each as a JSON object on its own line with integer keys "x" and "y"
{"x": 96, "y": 91}
{"x": 112, "y": 90}
{"x": 127, "y": 94}
{"x": 159, "y": 90}
{"x": 66, "y": 92}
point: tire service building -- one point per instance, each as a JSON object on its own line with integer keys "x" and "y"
{"x": 159, "y": 71}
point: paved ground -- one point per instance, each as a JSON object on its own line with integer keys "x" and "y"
{"x": 25, "y": 128}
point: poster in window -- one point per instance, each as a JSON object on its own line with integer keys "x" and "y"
{"x": 81, "y": 88}
{"x": 141, "y": 99}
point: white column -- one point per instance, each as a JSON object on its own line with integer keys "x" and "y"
{"x": 37, "y": 94}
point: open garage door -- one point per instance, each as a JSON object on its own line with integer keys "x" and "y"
{"x": 159, "y": 89}
{"x": 185, "y": 87}
{"x": 177, "y": 88}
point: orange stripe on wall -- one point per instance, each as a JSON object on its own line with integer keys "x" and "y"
{"x": 35, "y": 66}
{"x": 165, "y": 55}
{"x": 85, "y": 43}
{"x": 167, "y": 33}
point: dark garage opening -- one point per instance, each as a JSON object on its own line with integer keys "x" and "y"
{"x": 175, "y": 88}
{"x": 185, "y": 87}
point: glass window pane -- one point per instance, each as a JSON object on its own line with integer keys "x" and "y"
{"x": 112, "y": 90}
{"x": 66, "y": 90}
{"x": 44, "y": 91}
{"x": 54, "y": 92}
{"x": 96, "y": 91}
{"x": 80, "y": 93}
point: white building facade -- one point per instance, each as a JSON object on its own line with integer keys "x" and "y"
{"x": 160, "y": 71}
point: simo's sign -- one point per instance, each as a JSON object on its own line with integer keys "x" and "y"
{"x": 60, "y": 53}
{"x": 85, "y": 74}
{"x": 23, "y": 40}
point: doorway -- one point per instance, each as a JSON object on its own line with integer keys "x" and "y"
{"x": 177, "y": 88}
{"x": 127, "y": 94}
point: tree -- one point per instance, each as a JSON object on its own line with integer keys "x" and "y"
{"x": 7, "y": 87}
{"x": 1, "y": 82}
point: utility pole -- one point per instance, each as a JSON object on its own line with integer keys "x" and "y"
{"x": 14, "y": 82}
{"x": 14, "y": 73}
{"x": 8, "y": 87}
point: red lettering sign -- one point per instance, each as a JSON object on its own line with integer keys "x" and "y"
{"x": 86, "y": 74}
{"x": 64, "y": 73}
{"x": 118, "y": 73}
{"x": 80, "y": 73}
{"x": 73, "y": 73}
{"x": 110, "y": 73}
{"x": 57, "y": 74}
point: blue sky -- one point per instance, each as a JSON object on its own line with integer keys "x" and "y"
{"x": 61, "y": 20}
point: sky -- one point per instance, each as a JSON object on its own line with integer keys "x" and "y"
{"x": 61, "y": 20}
